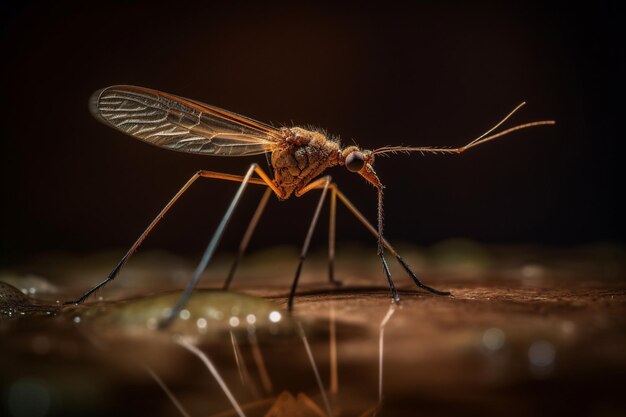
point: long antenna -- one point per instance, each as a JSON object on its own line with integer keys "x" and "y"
{"x": 479, "y": 140}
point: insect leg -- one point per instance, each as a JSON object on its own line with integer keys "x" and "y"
{"x": 331, "y": 236}
{"x": 138, "y": 242}
{"x": 386, "y": 244}
{"x": 246, "y": 237}
{"x": 168, "y": 206}
{"x": 217, "y": 236}
{"x": 381, "y": 247}
{"x": 323, "y": 183}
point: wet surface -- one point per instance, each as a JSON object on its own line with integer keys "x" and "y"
{"x": 527, "y": 331}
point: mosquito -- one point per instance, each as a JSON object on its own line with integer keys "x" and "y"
{"x": 298, "y": 157}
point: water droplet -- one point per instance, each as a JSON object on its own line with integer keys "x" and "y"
{"x": 184, "y": 314}
{"x": 541, "y": 353}
{"x": 201, "y": 323}
{"x": 275, "y": 316}
{"x": 493, "y": 339}
{"x": 234, "y": 321}
{"x": 251, "y": 318}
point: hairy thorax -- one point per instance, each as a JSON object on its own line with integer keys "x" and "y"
{"x": 303, "y": 156}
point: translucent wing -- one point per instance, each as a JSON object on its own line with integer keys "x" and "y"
{"x": 180, "y": 124}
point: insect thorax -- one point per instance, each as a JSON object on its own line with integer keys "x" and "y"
{"x": 301, "y": 157}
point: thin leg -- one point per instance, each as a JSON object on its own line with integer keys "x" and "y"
{"x": 210, "y": 250}
{"x": 381, "y": 247}
{"x": 321, "y": 183}
{"x": 168, "y": 206}
{"x": 386, "y": 244}
{"x": 325, "y": 183}
{"x": 392, "y": 287}
{"x": 246, "y": 237}
{"x": 331, "y": 236}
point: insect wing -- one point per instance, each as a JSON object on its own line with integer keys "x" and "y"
{"x": 180, "y": 124}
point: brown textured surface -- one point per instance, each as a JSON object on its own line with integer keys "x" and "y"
{"x": 470, "y": 354}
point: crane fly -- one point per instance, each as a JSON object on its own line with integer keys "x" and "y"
{"x": 298, "y": 157}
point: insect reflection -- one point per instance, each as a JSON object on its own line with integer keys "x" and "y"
{"x": 285, "y": 403}
{"x": 298, "y": 157}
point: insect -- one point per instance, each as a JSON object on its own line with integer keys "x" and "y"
{"x": 298, "y": 158}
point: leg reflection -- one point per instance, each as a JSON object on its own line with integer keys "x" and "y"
{"x": 244, "y": 375}
{"x": 207, "y": 362}
{"x": 315, "y": 371}
{"x": 381, "y": 345}
{"x": 167, "y": 391}
{"x": 260, "y": 363}
{"x": 334, "y": 376}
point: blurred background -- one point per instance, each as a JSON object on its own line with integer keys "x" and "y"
{"x": 432, "y": 74}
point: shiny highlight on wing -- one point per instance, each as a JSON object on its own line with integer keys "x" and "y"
{"x": 180, "y": 124}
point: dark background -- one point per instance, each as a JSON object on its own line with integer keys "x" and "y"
{"x": 432, "y": 74}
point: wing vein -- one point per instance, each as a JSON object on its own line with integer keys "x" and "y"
{"x": 180, "y": 124}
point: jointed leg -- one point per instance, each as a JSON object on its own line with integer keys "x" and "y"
{"x": 323, "y": 183}
{"x": 381, "y": 247}
{"x": 208, "y": 253}
{"x": 168, "y": 206}
{"x": 331, "y": 236}
{"x": 386, "y": 244}
{"x": 246, "y": 237}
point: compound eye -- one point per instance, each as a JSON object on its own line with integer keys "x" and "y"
{"x": 355, "y": 161}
